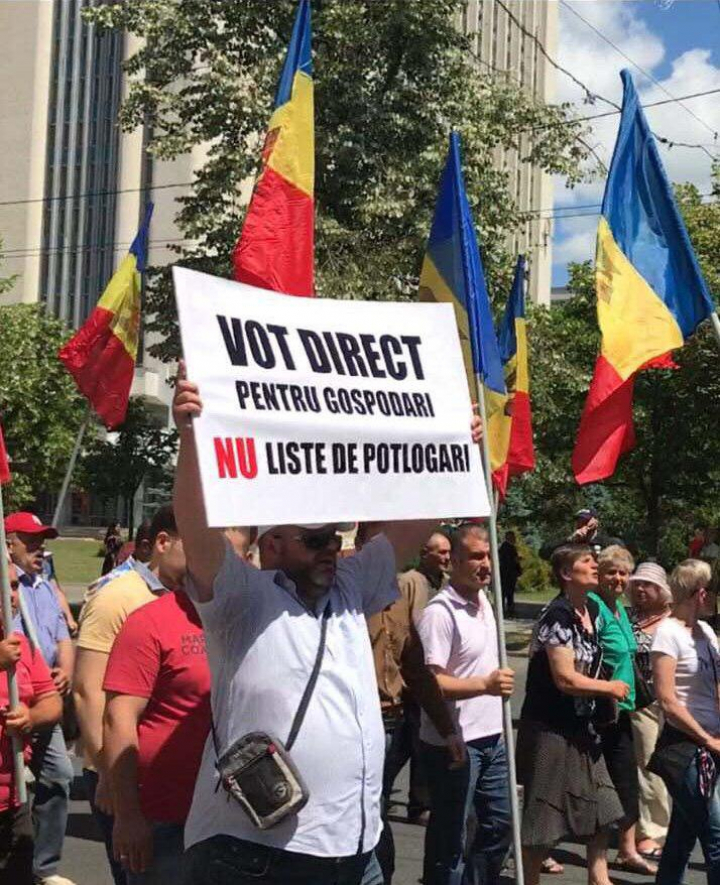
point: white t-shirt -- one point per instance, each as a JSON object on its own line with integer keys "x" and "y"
{"x": 697, "y": 670}
{"x": 461, "y": 637}
{"x": 262, "y": 643}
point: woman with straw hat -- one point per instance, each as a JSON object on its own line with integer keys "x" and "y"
{"x": 650, "y": 598}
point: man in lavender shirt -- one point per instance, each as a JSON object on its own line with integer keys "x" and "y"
{"x": 459, "y": 636}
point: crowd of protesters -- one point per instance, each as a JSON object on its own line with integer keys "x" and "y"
{"x": 246, "y": 699}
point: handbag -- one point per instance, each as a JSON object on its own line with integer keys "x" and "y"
{"x": 607, "y": 709}
{"x": 258, "y": 771}
{"x": 644, "y": 694}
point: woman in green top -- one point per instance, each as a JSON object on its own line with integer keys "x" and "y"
{"x": 615, "y": 634}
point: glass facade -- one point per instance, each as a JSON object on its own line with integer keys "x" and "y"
{"x": 81, "y": 163}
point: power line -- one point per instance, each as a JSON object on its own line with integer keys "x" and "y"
{"x": 83, "y": 196}
{"x": 555, "y": 213}
{"x": 602, "y": 36}
{"x": 651, "y": 104}
{"x": 590, "y": 95}
{"x": 38, "y": 251}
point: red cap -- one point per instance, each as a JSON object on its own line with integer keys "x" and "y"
{"x": 29, "y": 524}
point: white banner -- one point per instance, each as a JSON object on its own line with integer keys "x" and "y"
{"x": 317, "y": 410}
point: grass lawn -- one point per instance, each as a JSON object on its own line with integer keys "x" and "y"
{"x": 76, "y": 561}
{"x": 543, "y": 596}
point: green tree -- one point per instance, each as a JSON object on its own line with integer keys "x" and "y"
{"x": 391, "y": 78}
{"x": 140, "y": 452}
{"x": 40, "y": 407}
{"x": 670, "y": 479}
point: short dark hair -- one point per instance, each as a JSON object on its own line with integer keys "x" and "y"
{"x": 467, "y": 530}
{"x": 566, "y": 556}
{"x": 143, "y": 532}
{"x": 163, "y": 521}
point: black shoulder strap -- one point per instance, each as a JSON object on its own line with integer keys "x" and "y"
{"x": 307, "y": 694}
{"x": 310, "y": 687}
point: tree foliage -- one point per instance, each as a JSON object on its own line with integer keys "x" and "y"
{"x": 391, "y": 78}
{"x": 40, "y": 407}
{"x": 140, "y": 452}
{"x": 670, "y": 480}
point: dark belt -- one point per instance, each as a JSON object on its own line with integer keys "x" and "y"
{"x": 252, "y": 859}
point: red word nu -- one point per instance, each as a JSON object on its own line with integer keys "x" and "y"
{"x": 235, "y": 456}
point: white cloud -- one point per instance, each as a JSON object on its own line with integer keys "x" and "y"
{"x": 598, "y": 65}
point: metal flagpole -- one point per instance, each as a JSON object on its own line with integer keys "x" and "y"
{"x": 716, "y": 325}
{"x": 7, "y": 620}
{"x": 70, "y": 468}
{"x": 502, "y": 652}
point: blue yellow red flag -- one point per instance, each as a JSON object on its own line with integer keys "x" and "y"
{"x": 651, "y": 295}
{"x": 452, "y": 272}
{"x": 276, "y": 246}
{"x": 509, "y": 430}
{"x": 101, "y": 355}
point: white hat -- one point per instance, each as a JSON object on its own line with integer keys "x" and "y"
{"x": 309, "y": 526}
{"x": 653, "y": 574}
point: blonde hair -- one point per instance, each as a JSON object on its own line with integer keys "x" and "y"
{"x": 616, "y": 555}
{"x": 687, "y": 578}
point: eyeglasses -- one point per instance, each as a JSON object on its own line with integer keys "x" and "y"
{"x": 320, "y": 540}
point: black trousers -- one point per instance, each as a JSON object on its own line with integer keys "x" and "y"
{"x": 619, "y": 754}
{"x": 16, "y": 846}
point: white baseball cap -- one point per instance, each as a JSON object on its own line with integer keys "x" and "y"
{"x": 309, "y": 526}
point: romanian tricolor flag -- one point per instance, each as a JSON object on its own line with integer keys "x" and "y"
{"x": 101, "y": 355}
{"x": 651, "y": 295}
{"x": 4, "y": 465}
{"x": 276, "y": 246}
{"x": 452, "y": 272}
{"x": 510, "y": 429}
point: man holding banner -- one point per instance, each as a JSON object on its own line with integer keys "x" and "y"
{"x": 290, "y": 657}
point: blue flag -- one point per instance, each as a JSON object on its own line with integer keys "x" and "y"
{"x": 452, "y": 272}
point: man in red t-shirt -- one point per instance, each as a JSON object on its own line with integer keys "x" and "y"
{"x": 156, "y": 721}
{"x": 40, "y": 706}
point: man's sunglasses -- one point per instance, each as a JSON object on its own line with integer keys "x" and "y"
{"x": 320, "y": 540}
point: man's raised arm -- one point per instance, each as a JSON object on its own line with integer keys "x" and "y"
{"x": 204, "y": 547}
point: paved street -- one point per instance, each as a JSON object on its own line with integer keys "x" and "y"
{"x": 84, "y": 860}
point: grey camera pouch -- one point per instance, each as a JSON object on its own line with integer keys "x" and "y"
{"x": 257, "y": 770}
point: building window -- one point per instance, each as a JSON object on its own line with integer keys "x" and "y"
{"x": 81, "y": 163}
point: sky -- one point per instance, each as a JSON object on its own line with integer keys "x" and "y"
{"x": 677, "y": 42}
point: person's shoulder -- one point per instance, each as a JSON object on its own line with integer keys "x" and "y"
{"x": 710, "y": 634}
{"x": 558, "y": 609}
{"x": 410, "y": 576}
{"x": 669, "y": 632}
{"x": 127, "y": 589}
{"x": 441, "y": 605}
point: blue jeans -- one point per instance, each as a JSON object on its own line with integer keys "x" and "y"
{"x": 167, "y": 867}
{"x": 105, "y": 824}
{"x": 482, "y": 783}
{"x": 54, "y": 773}
{"x": 693, "y": 818}
{"x": 224, "y": 860}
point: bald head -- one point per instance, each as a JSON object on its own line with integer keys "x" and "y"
{"x": 435, "y": 555}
